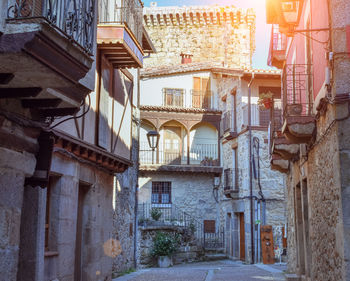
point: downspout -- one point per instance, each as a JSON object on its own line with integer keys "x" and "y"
{"x": 250, "y": 169}
{"x": 137, "y": 171}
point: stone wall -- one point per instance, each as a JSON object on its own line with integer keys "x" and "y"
{"x": 187, "y": 251}
{"x": 191, "y": 193}
{"x": 15, "y": 166}
{"x": 209, "y": 33}
{"x": 124, "y": 228}
{"x": 76, "y": 183}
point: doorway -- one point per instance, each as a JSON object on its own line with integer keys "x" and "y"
{"x": 241, "y": 237}
{"x": 172, "y": 145}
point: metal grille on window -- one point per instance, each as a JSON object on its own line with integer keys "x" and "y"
{"x": 161, "y": 192}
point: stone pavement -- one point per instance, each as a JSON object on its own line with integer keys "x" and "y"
{"x": 225, "y": 270}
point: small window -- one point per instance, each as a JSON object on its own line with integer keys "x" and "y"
{"x": 161, "y": 192}
{"x": 173, "y": 97}
{"x": 209, "y": 226}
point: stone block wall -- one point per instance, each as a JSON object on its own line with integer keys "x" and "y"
{"x": 15, "y": 166}
{"x": 191, "y": 193}
{"x": 209, "y": 33}
{"x": 72, "y": 178}
{"x": 124, "y": 228}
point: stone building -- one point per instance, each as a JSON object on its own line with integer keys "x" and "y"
{"x": 310, "y": 43}
{"x": 68, "y": 107}
{"x": 195, "y": 94}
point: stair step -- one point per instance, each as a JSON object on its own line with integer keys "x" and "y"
{"x": 214, "y": 257}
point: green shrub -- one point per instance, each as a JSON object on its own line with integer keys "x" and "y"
{"x": 164, "y": 244}
{"x": 156, "y": 213}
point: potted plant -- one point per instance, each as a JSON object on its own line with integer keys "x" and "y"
{"x": 156, "y": 214}
{"x": 265, "y": 99}
{"x": 164, "y": 245}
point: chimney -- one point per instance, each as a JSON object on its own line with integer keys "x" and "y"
{"x": 186, "y": 58}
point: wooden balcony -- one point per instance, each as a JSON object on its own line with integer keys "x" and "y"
{"x": 44, "y": 57}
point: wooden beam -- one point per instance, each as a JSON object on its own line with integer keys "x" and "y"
{"x": 51, "y": 112}
{"x": 8, "y": 93}
{"x": 43, "y": 103}
{"x": 5, "y": 78}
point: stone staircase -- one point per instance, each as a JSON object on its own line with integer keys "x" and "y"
{"x": 211, "y": 254}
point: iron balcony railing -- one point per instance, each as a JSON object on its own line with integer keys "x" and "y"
{"x": 278, "y": 45}
{"x": 200, "y": 154}
{"x": 130, "y": 14}
{"x": 228, "y": 122}
{"x": 155, "y": 214}
{"x": 297, "y": 90}
{"x": 75, "y": 19}
{"x": 231, "y": 179}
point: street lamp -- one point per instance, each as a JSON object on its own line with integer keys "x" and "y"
{"x": 287, "y": 14}
{"x": 153, "y": 139}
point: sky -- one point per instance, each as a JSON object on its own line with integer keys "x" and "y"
{"x": 262, "y": 33}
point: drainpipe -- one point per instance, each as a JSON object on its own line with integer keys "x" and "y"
{"x": 250, "y": 169}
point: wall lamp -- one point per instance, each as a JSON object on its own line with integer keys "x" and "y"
{"x": 153, "y": 140}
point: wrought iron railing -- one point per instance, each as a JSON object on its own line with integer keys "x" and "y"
{"x": 297, "y": 90}
{"x": 130, "y": 14}
{"x": 228, "y": 122}
{"x": 278, "y": 45}
{"x": 200, "y": 154}
{"x": 231, "y": 179}
{"x": 254, "y": 115}
{"x": 73, "y": 18}
{"x": 169, "y": 214}
{"x": 154, "y": 214}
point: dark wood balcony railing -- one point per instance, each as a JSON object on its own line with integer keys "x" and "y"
{"x": 200, "y": 154}
{"x": 73, "y": 18}
{"x": 201, "y": 99}
{"x": 297, "y": 90}
{"x": 130, "y": 15}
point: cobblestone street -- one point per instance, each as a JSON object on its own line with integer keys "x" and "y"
{"x": 225, "y": 270}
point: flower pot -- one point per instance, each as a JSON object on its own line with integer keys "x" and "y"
{"x": 164, "y": 261}
{"x": 294, "y": 109}
{"x": 267, "y": 103}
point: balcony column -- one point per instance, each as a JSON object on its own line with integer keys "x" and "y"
{"x": 188, "y": 146}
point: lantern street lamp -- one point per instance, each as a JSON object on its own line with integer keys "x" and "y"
{"x": 153, "y": 139}
{"x": 287, "y": 13}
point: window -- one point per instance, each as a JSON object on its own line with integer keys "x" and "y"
{"x": 161, "y": 192}
{"x": 173, "y": 97}
{"x": 201, "y": 93}
{"x": 209, "y": 226}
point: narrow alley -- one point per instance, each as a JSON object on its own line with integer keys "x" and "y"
{"x": 225, "y": 270}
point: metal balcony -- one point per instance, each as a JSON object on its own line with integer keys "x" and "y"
{"x": 278, "y": 46}
{"x": 299, "y": 121}
{"x": 74, "y": 19}
{"x": 231, "y": 182}
{"x": 228, "y": 125}
{"x": 120, "y": 33}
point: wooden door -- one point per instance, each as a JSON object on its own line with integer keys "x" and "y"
{"x": 241, "y": 237}
{"x": 172, "y": 145}
{"x": 267, "y": 244}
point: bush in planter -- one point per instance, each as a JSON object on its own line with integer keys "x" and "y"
{"x": 164, "y": 244}
{"x": 156, "y": 214}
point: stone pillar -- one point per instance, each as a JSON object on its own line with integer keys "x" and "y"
{"x": 32, "y": 244}
{"x": 14, "y": 168}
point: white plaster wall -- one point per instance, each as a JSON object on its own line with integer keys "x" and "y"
{"x": 152, "y": 88}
